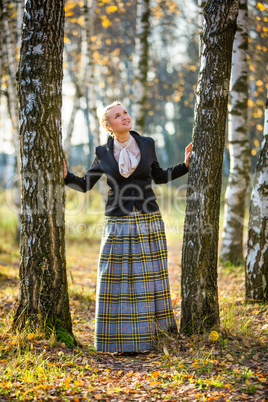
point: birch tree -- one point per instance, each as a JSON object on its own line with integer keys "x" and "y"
{"x": 9, "y": 52}
{"x": 238, "y": 184}
{"x": 10, "y": 42}
{"x": 257, "y": 245}
{"x": 43, "y": 282}
{"x": 200, "y": 310}
{"x": 86, "y": 85}
{"x": 141, "y": 63}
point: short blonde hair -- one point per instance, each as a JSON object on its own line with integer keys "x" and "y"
{"x": 104, "y": 118}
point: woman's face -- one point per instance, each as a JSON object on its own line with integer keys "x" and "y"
{"x": 119, "y": 120}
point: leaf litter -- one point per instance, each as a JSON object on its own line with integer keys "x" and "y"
{"x": 228, "y": 364}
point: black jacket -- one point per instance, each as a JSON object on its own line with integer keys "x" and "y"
{"x": 136, "y": 190}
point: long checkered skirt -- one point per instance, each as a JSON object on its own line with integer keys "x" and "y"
{"x": 133, "y": 296}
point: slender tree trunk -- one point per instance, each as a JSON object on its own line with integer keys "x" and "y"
{"x": 257, "y": 246}
{"x": 90, "y": 135}
{"x": 238, "y": 185}
{"x": 90, "y": 15}
{"x": 86, "y": 85}
{"x": 70, "y": 128}
{"x": 200, "y": 310}
{"x": 11, "y": 63}
{"x": 141, "y": 63}
{"x": 10, "y": 43}
{"x": 43, "y": 282}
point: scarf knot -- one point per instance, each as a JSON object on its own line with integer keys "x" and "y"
{"x": 128, "y": 159}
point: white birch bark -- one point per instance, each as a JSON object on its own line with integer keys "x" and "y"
{"x": 238, "y": 184}
{"x": 141, "y": 63}
{"x": 256, "y": 267}
{"x": 199, "y": 292}
{"x": 10, "y": 44}
{"x": 43, "y": 300}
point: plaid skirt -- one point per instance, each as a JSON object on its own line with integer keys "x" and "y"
{"x": 133, "y": 297}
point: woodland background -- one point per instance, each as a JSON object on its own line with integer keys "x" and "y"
{"x": 229, "y": 363}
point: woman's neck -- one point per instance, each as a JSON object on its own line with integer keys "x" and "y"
{"x": 123, "y": 137}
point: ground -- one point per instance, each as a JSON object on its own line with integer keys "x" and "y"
{"x": 229, "y": 364}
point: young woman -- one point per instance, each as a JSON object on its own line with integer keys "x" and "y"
{"x": 133, "y": 300}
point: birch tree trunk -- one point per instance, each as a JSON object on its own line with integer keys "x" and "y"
{"x": 86, "y": 85}
{"x": 257, "y": 245}
{"x": 90, "y": 67}
{"x": 9, "y": 46}
{"x": 43, "y": 283}
{"x": 238, "y": 184}
{"x": 10, "y": 43}
{"x": 200, "y": 310}
{"x": 141, "y": 64}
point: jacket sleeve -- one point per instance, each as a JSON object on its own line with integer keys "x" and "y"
{"x": 165, "y": 175}
{"x": 85, "y": 183}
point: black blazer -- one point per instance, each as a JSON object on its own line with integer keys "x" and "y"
{"x": 136, "y": 190}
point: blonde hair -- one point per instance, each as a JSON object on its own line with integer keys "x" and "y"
{"x": 104, "y": 118}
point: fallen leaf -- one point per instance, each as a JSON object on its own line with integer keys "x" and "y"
{"x": 213, "y": 336}
{"x": 30, "y": 336}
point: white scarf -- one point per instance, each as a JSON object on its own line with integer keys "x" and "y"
{"x": 127, "y": 161}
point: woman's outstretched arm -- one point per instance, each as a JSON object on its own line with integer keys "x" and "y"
{"x": 85, "y": 183}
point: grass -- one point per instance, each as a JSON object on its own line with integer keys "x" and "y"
{"x": 192, "y": 368}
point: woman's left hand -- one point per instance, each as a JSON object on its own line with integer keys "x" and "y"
{"x": 187, "y": 154}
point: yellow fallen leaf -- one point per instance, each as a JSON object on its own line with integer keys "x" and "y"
{"x": 79, "y": 383}
{"x": 67, "y": 381}
{"x": 262, "y": 379}
{"x": 30, "y": 336}
{"x": 154, "y": 383}
{"x": 214, "y": 336}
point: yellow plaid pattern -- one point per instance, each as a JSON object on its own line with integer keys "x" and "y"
{"x": 133, "y": 295}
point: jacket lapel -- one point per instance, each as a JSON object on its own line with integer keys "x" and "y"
{"x": 110, "y": 153}
{"x": 140, "y": 143}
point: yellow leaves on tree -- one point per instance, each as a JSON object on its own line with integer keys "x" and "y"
{"x": 105, "y": 22}
{"x": 111, "y": 9}
{"x": 261, "y": 7}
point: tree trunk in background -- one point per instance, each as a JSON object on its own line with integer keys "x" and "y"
{"x": 141, "y": 64}
{"x": 10, "y": 44}
{"x": 90, "y": 15}
{"x": 200, "y": 310}
{"x": 70, "y": 128}
{"x": 9, "y": 52}
{"x": 257, "y": 246}
{"x": 87, "y": 82}
{"x": 43, "y": 283}
{"x": 238, "y": 184}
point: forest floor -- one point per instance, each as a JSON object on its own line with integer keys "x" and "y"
{"x": 233, "y": 367}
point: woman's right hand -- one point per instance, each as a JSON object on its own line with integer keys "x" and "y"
{"x": 64, "y": 169}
